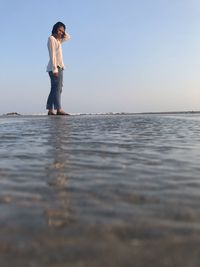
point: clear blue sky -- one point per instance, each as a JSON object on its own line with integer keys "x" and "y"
{"x": 124, "y": 55}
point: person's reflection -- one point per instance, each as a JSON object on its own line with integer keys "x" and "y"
{"x": 58, "y": 211}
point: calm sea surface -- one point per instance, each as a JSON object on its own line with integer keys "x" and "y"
{"x": 94, "y": 191}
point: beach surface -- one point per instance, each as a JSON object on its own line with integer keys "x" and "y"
{"x": 93, "y": 191}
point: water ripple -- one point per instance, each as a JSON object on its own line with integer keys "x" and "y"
{"x": 125, "y": 181}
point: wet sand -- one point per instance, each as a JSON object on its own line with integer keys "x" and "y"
{"x": 100, "y": 191}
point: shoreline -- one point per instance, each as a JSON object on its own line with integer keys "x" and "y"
{"x": 16, "y": 114}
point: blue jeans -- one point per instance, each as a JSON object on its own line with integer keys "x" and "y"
{"x": 54, "y": 99}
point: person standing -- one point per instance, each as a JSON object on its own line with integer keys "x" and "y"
{"x": 55, "y": 68}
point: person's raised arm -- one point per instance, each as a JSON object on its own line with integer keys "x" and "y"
{"x": 66, "y": 37}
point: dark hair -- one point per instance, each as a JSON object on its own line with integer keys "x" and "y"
{"x": 56, "y": 26}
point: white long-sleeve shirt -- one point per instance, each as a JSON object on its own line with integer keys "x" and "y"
{"x": 55, "y": 53}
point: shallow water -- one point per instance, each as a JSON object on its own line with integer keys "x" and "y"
{"x": 100, "y": 191}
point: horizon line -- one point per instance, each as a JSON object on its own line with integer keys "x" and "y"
{"x": 109, "y": 113}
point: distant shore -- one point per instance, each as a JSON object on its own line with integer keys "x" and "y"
{"x": 108, "y": 113}
{"x": 12, "y": 114}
